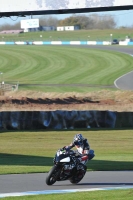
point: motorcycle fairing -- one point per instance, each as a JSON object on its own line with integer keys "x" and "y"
{"x": 62, "y": 158}
{"x": 67, "y": 159}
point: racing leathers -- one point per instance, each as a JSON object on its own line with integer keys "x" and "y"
{"x": 82, "y": 150}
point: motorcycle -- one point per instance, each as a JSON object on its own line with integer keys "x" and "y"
{"x": 67, "y": 167}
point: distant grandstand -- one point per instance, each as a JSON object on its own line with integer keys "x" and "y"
{"x": 11, "y": 31}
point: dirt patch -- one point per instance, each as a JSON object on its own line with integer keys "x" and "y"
{"x": 38, "y": 101}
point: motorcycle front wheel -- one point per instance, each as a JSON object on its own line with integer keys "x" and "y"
{"x": 52, "y": 175}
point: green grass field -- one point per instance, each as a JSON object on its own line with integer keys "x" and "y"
{"x": 61, "y": 65}
{"x": 92, "y": 35}
{"x": 28, "y": 152}
{"x": 64, "y": 65}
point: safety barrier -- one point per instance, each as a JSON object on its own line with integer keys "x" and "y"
{"x": 62, "y": 119}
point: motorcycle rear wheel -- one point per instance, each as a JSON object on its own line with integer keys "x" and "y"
{"x": 79, "y": 175}
{"x": 52, "y": 176}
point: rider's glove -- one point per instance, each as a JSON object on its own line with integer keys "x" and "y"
{"x": 67, "y": 148}
{"x": 62, "y": 149}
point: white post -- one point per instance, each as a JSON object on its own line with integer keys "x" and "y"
{"x": 1, "y": 73}
{"x": 111, "y": 38}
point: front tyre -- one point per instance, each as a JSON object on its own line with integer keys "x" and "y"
{"x": 52, "y": 175}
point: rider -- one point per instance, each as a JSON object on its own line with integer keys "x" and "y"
{"x": 82, "y": 146}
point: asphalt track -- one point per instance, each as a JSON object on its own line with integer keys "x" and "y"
{"x": 21, "y": 183}
{"x": 36, "y": 182}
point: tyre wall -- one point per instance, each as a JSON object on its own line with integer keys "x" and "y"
{"x": 59, "y": 119}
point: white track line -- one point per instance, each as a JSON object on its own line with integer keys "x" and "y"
{"x": 122, "y": 76}
{"x": 16, "y": 194}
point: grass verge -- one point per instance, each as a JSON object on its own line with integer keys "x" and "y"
{"x": 83, "y": 35}
{"x": 28, "y": 152}
{"x": 62, "y": 68}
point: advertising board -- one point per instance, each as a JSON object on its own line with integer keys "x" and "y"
{"x": 29, "y": 23}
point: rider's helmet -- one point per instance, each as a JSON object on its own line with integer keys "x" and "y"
{"x": 78, "y": 139}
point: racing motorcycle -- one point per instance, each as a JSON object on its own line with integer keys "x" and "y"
{"x": 67, "y": 167}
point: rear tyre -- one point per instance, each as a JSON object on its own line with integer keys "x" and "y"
{"x": 79, "y": 174}
{"x": 52, "y": 175}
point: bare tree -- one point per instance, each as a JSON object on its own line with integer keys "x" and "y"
{"x": 16, "y": 26}
{"x": 103, "y": 21}
{"x": 48, "y": 21}
{"x": 94, "y": 21}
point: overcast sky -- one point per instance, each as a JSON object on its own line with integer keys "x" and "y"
{"x": 123, "y": 18}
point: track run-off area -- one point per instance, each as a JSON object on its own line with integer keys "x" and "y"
{"x": 67, "y": 68}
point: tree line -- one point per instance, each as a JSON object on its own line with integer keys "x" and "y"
{"x": 93, "y": 21}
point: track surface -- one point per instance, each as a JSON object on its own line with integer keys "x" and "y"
{"x": 36, "y": 182}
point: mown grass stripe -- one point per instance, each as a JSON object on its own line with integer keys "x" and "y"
{"x": 62, "y": 65}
